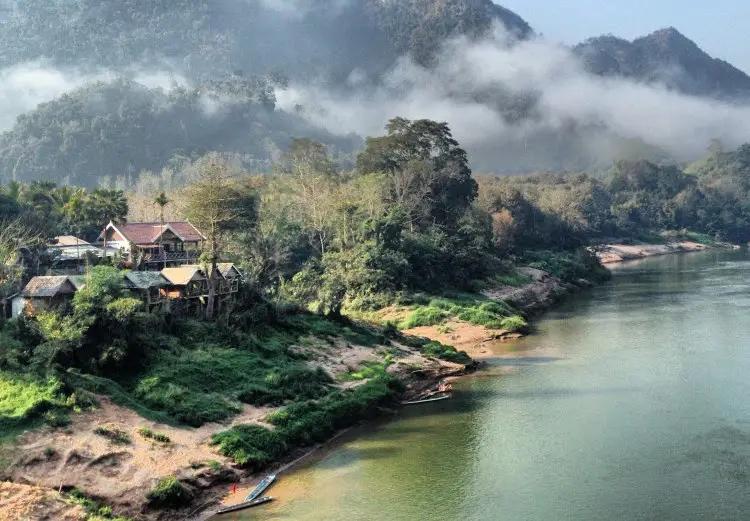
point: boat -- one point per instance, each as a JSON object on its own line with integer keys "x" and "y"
{"x": 429, "y": 400}
{"x": 262, "y": 487}
{"x": 247, "y": 504}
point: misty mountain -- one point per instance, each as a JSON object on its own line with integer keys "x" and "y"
{"x": 108, "y": 131}
{"x": 665, "y": 57}
{"x": 324, "y": 39}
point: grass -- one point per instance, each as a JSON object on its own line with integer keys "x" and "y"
{"x": 474, "y": 309}
{"x": 444, "y": 352}
{"x": 95, "y": 511}
{"x": 25, "y": 399}
{"x": 369, "y": 370}
{"x": 206, "y": 373}
{"x": 304, "y": 423}
{"x": 167, "y": 493}
{"x": 114, "y": 435}
{"x": 424, "y": 316}
{"x": 148, "y": 434}
{"x": 514, "y": 279}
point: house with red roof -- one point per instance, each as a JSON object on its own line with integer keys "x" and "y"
{"x": 153, "y": 246}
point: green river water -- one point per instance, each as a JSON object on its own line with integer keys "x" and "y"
{"x": 631, "y": 402}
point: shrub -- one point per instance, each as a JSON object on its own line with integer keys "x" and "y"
{"x": 168, "y": 492}
{"x": 114, "y": 435}
{"x": 514, "y": 323}
{"x": 444, "y": 352}
{"x": 249, "y": 445}
{"x": 424, "y": 316}
{"x": 147, "y": 433}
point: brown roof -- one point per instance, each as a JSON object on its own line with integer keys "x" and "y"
{"x": 48, "y": 287}
{"x": 148, "y": 233}
{"x": 67, "y": 240}
{"x": 182, "y": 275}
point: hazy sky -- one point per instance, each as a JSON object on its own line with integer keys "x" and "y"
{"x": 719, "y": 27}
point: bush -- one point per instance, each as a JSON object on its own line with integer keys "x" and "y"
{"x": 148, "y": 434}
{"x": 23, "y": 399}
{"x": 114, "y": 435}
{"x": 250, "y": 445}
{"x": 447, "y": 353}
{"x": 167, "y": 493}
{"x": 514, "y": 323}
{"x": 424, "y": 316}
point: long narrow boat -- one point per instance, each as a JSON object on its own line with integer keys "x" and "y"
{"x": 246, "y": 504}
{"x": 262, "y": 487}
{"x": 429, "y": 400}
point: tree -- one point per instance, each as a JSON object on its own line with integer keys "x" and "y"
{"x": 162, "y": 201}
{"x": 103, "y": 206}
{"x": 313, "y": 181}
{"x": 14, "y": 236}
{"x": 214, "y": 205}
{"x": 428, "y": 171}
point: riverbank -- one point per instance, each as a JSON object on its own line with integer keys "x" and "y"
{"x": 614, "y": 253}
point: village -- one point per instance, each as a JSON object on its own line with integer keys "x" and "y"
{"x": 161, "y": 268}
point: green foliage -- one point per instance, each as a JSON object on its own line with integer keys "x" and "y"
{"x": 24, "y": 398}
{"x": 368, "y": 371}
{"x": 568, "y": 266}
{"x": 95, "y": 511}
{"x": 250, "y": 445}
{"x": 168, "y": 493}
{"x": 424, "y": 316}
{"x": 114, "y": 435}
{"x": 443, "y": 352}
{"x": 514, "y": 323}
{"x": 148, "y": 434}
{"x": 303, "y": 423}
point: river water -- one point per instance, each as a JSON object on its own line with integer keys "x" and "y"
{"x": 632, "y": 402}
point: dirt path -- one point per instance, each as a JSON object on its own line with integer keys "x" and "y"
{"x": 31, "y": 503}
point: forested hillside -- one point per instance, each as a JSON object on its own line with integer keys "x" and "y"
{"x": 328, "y": 38}
{"x": 665, "y": 57}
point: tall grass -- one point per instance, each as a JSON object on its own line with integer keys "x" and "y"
{"x": 304, "y": 423}
{"x": 24, "y": 398}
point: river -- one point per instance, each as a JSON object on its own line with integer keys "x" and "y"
{"x": 631, "y": 402}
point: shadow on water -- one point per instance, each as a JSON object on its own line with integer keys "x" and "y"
{"x": 528, "y": 360}
{"x": 348, "y": 456}
{"x": 476, "y": 396}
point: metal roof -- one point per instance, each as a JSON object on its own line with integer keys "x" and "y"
{"x": 228, "y": 270}
{"x": 182, "y": 275}
{"x": 145, "y": 279}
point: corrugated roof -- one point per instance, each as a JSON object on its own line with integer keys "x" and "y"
{"x": 228, "y": 270}
{"x": 145, "y": 279}
{"x": 48, "y": 287}
{"x": 67, "y": 240}
{"x": 182, "y": 275}
{"x": 148, "y": 233}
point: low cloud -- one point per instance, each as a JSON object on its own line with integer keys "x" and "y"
{"x": 497, "y": 97}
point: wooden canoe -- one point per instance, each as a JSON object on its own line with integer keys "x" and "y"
{"x": 246, "y": 504}
{"x": 429, "y": 400}
{"x": 262, "y": 487}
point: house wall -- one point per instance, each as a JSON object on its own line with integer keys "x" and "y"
{"x": 18, "y": 305}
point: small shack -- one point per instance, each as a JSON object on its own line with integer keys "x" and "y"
{"x": 43, "y": 293}
{"x": 231, "y": 277}
{"x": 186, "y": 282}
{"x": 148, "y": 286}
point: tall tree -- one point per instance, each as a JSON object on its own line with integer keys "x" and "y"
{"x": 162, "y": 201}
{"x": 428, "y": 171}
{"x": 214, "y": 205}
{"x": 105, "y": 205}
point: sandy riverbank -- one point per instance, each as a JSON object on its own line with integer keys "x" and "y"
{"x": 613, "y": 253}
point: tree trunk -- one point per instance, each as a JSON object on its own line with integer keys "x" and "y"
{"x": 211, "y": 304}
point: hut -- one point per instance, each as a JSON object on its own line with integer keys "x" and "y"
{"x": 43, "y": 293}
{"x": 148, "y": 286}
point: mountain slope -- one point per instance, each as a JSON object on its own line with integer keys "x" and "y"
{"x": 200, "y": 38}
{"x": 668, "y": 57}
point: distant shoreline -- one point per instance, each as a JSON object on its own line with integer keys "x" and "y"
{"x": 616, "y": 253}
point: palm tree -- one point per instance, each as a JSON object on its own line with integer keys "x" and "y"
{"x": 162, "y": 201}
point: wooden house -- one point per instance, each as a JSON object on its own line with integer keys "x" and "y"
{"x": 43, "y": 293}
{"x": 148, "y": 286}
{"x": 152, "y": 246}
{"x": 69, "y": 255}
{"x": 185, "y": 282}
{"x": 230, "y": 278}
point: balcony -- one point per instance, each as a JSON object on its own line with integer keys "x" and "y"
{"x": 181, "y": 257}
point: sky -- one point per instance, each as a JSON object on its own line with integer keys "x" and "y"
{"x": 719, "y": 27}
